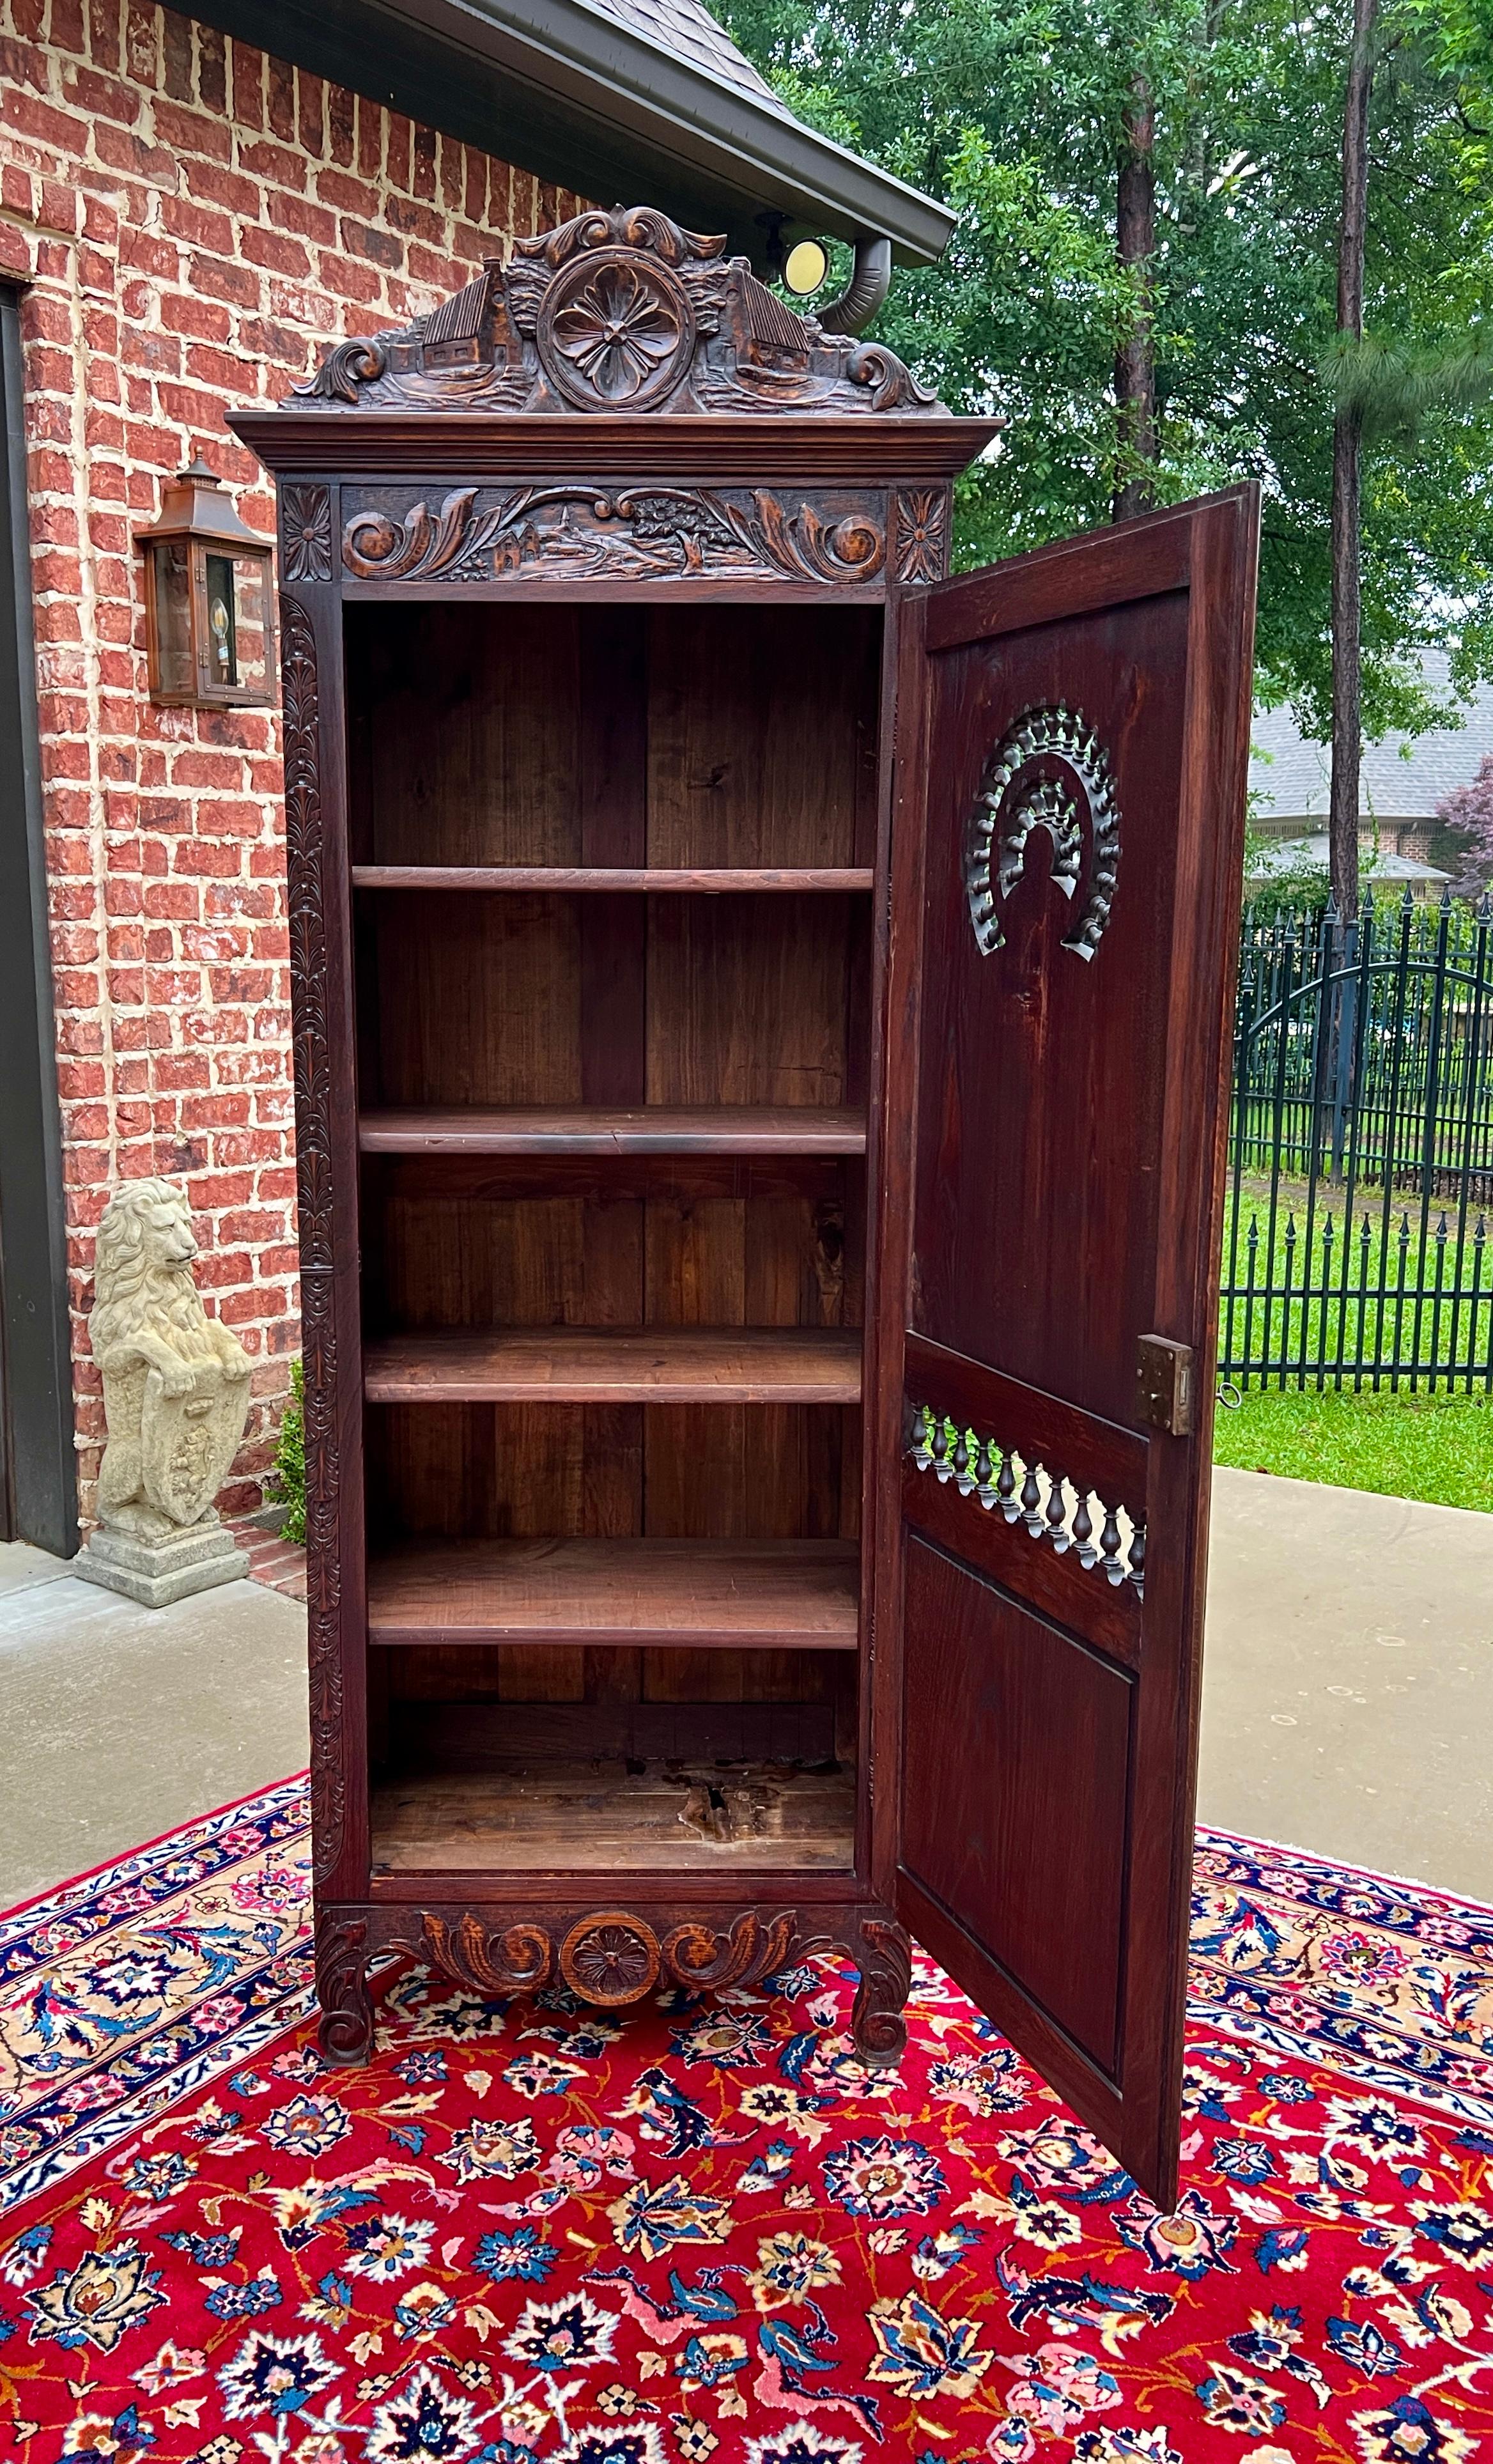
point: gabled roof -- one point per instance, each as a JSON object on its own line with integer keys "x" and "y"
{"x": 1402, "y": 778}
{"x": 631, "y": 102}
{"x": 1284, "y": 855}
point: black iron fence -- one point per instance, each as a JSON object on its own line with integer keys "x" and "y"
{"x": 1356, "y": 1241}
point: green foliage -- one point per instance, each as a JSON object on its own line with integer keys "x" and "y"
{"x": 288, "y": 1477}
{"x": 1011, "y": 110}
{"x": 1299, "y": 888}
{"x": 1438, "y": 1447}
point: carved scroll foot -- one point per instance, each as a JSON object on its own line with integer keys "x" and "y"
{"x": 877, "y": 2025}
{"x": 346, "y": 2035}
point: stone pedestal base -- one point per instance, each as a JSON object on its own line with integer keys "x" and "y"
{"x": 155, "y": 1572}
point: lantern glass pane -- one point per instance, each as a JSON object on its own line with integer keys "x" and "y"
{"x": 222, "y": 647}
{"x": 174, "y": 596}
{"x": 249, "y": 607}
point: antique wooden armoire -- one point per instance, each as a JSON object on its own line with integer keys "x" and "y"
{"x": 760, "y": 1032}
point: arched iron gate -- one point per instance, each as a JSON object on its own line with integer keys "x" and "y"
{"x": 1355, "y": 1247}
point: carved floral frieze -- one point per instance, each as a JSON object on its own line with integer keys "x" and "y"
{"x": 570, "y": 529}
{"x": 610, "y": 1958}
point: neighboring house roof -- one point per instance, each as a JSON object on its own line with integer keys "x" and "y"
{"x": 1284, "y": 855}
{"x": 1402, "y": 778}
{"x": 626, "y": 102}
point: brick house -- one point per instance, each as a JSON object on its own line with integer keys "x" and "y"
{"x": 190, "y": 212}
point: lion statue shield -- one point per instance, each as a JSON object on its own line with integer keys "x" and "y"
{"x": 175, "y": 1381}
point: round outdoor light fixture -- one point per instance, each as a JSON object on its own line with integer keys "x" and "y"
{"x": 805, "y": 267}
{"x": 209, "y": 610}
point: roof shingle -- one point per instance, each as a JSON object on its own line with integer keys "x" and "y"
{"x": 1402, "y": 778}
{"x": 687, "y": 29}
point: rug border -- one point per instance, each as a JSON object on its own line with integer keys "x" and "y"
{"x": 1347, "y": 1865}
{"x": 143, "y": 1848}
{"x": 1212, "y": 1830}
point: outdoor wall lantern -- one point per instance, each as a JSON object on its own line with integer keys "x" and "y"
{"x": 209, "y": 606}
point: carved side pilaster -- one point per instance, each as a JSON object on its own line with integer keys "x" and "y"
{"x": 877, "y": 2023}
{"x": 305, "y": 852}
{"x": 346, "y": 2031}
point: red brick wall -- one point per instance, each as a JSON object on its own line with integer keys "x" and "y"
{"x": 197, "y": 219}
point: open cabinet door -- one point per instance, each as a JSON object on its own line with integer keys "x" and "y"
{"x": 1072, "y": 737}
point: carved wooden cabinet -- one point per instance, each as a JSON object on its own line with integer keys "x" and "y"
{"x": 761, "y": 1026}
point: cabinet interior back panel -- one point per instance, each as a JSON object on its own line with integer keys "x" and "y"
{"x": 683, "y": 737}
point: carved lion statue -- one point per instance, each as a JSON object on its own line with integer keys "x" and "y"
{"x": 175, "y": 1381}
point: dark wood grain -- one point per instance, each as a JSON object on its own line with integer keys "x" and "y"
{"x": 1112, "y": 1459}
{"x": 616, "y": 1365}
{"x": 613, "y": 1820}
{"x": 433, "y": 446}
{"x": 1069, "y": 1066}
{"x": 1024, "y": 1836}
{"x": 597, "y": 879}
{"x": 760, "y": 1595}
{"x": 594, "y": 1129}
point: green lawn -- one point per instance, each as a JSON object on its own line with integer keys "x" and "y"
{"x": 1438, "y": 1447}
{"x": 1361, "y": 1307}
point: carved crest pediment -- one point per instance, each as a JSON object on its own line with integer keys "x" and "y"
{"x": 620, "y": 312}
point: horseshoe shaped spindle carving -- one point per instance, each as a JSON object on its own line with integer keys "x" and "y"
{"x": 1071, "y": 797}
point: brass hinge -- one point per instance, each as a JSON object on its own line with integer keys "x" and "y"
{"x": 1164, "y": 1382}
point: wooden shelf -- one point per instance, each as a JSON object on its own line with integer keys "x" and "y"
{"x": 700, "y": 1594}
{"x": 597, "y": 1815}
{"x": 714, "y": 880}
{"x": 567, "y": 1364}
{"x": 719, "y": 1129}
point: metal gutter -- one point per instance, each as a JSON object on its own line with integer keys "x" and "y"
{"x": 583, "y": 98}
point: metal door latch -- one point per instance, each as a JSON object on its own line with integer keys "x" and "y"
{"x": 1164, "y": 1380}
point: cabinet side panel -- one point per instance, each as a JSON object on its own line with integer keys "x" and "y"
{"x": 327, "y": 1105}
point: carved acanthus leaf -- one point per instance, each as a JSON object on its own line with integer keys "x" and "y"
{"x": 647, "y": 532}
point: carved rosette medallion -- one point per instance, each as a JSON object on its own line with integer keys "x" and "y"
{"x": 615, "y": 332}
{"x": 611, "y": 1959}
{"x": 305, "y": 533}
{"x": 1048, "y": 772}
{"x": 312, "y": 1074}
{"x": 921, "y": 517}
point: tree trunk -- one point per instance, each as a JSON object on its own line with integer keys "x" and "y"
{"x": 1135, "y": 360}
{"x": 1346, "y": 442}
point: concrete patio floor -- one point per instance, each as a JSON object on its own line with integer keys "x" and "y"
{"x": 1347, "y": 1677}
{"x": 1348, "y": 1696}
{"x": 117, "y": 1723}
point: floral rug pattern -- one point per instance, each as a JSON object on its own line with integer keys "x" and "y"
{"x": 529, "y": 2235}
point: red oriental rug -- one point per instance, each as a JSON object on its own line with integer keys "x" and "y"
{"x": 537, "y": 2236}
